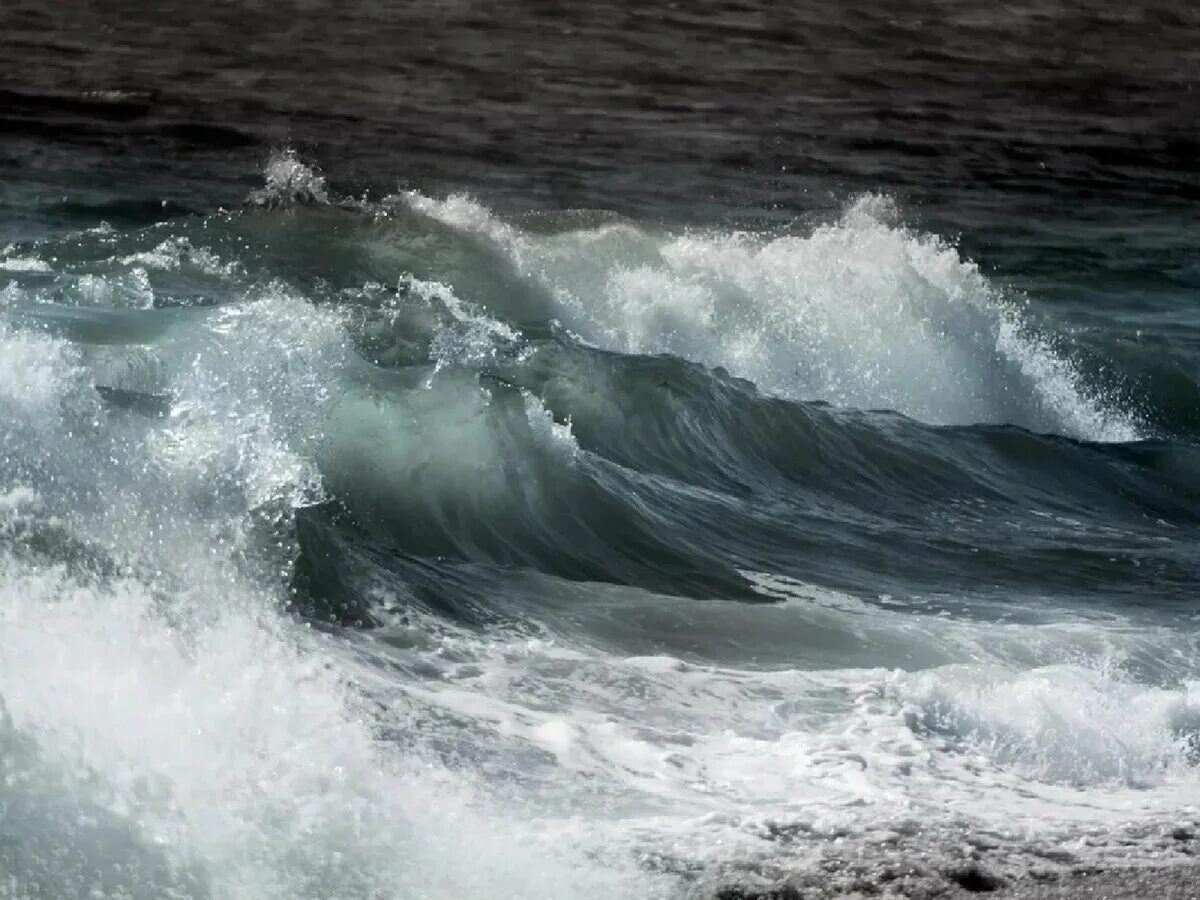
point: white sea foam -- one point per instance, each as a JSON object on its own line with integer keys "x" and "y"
{"x": 697, "y": 758}
{"x": 170, "y": 711}
{"x": 174, "y": 254}
{"x": 238, "y": 749}
{"x": 863, "y": 313}
{"x": 23, "y": 264}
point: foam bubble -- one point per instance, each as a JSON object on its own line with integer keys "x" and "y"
{"x": 1062, "y": 723}
{"x": 176, "y": 253}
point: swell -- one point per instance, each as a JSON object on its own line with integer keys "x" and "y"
{"x": 604, "y": 403}
{"x": 705, "y": 478}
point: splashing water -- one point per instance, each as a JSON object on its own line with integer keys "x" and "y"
{"x": 530, "y": 715}
{"x": 862, "y": 313}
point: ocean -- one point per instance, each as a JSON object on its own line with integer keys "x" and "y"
{"x": 673, "y": 451}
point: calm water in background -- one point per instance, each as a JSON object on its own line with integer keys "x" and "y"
{"x": 577, "y": 449}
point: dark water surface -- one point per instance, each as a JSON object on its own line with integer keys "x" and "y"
{"x": 532, "y": 449}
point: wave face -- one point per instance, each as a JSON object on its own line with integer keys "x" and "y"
{"x": 405, "y": 549}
